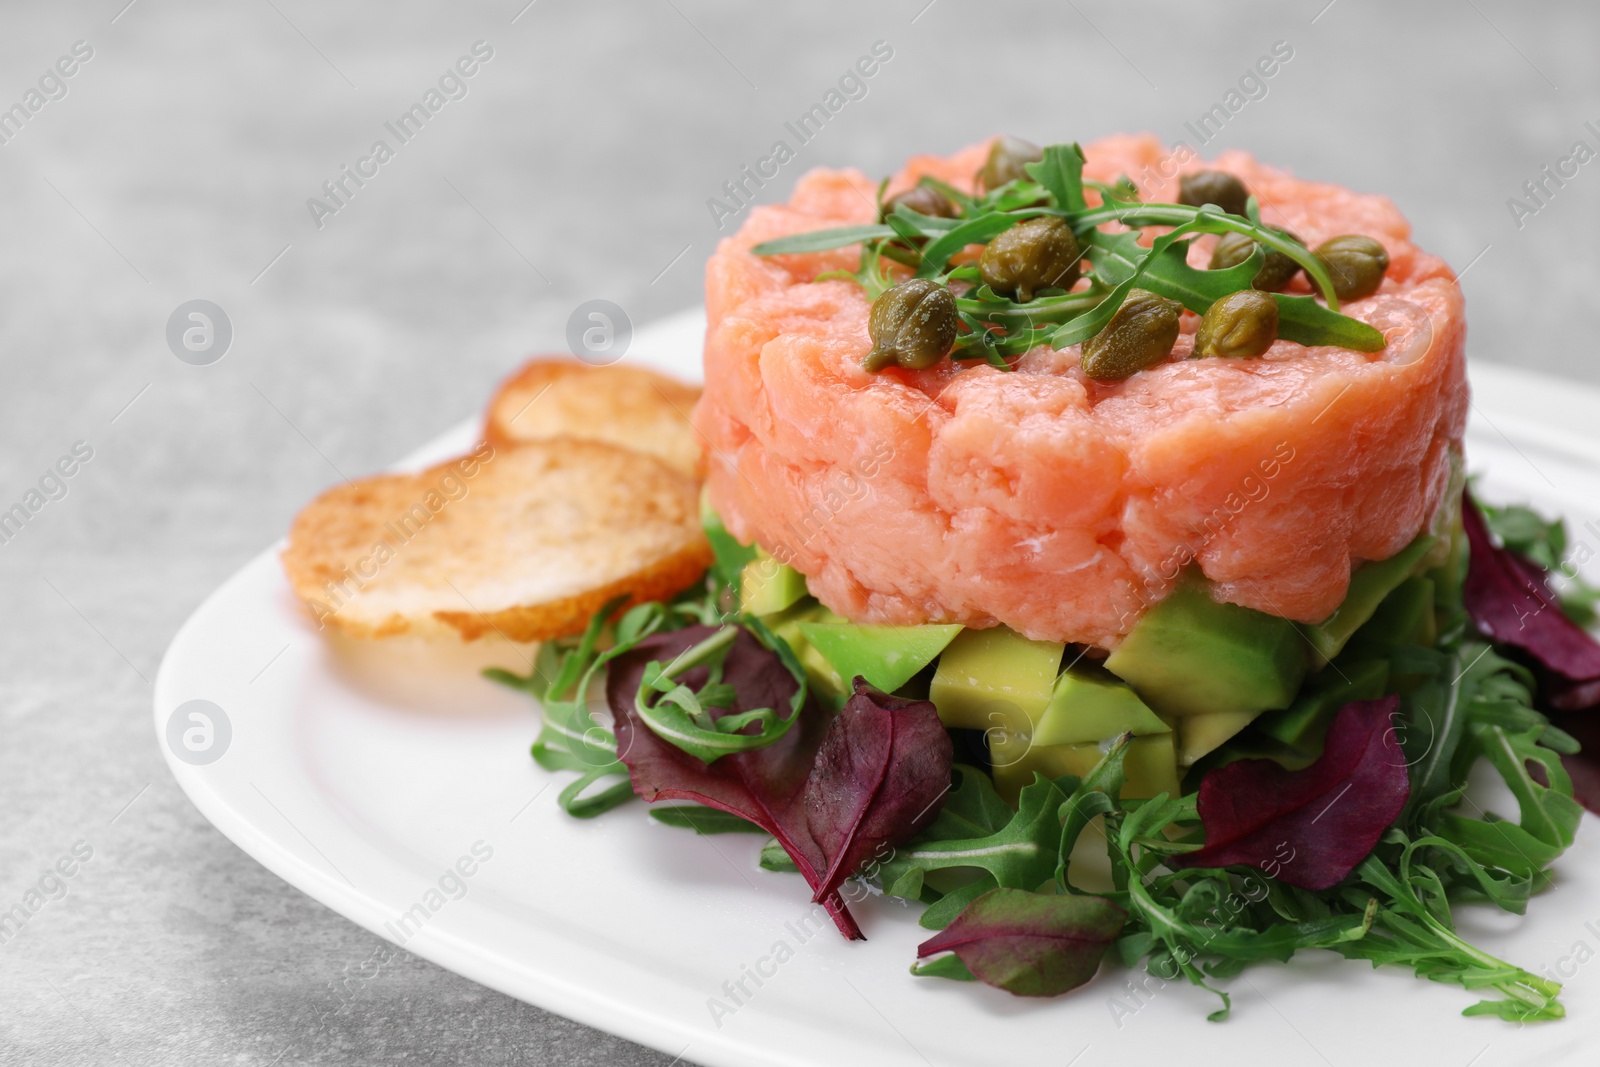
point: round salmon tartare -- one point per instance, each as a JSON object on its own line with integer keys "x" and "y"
{"x": 1057, "y": 503}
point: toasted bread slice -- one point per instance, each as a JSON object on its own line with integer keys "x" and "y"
{"x": 526, "y": 541}
{"x": 553, "y": 396}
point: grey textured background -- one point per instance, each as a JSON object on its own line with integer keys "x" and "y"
{"x": 178, "y": 166}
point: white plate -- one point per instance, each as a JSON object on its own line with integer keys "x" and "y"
{"x": 363, "y": 780}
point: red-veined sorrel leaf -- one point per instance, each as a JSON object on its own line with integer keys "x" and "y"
{"x": 880, "y": 775}
{"x": 1510, "y": 601}
{"x": 832, "y": 791}
{"x": 1309, "y": 827}
{"x": 1030, "y": 944}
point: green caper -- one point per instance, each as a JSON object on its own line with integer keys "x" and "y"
{"x": 1239, "y": 325}
{"x": 1141, "y": 334}
{"x": 924, "y": 200}
{"x": 1277, "y": 269}
{"x": 912, "y": 325}
{"x": 1006, "y": 157}
{"x": 1213, "y": 187}
{"x": 1040, "y": 253}
{"x": 1355, "y": 263}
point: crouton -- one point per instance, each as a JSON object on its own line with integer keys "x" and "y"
{"x": 525, "y": 541}
{"x": 552, "y": 396}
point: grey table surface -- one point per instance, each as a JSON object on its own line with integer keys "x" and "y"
{"x": 176, "y": 162}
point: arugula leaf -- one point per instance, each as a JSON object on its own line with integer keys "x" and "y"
{"x": 1020, "y": 855}
{"x": 972, "y": 808}
{"x": 1061, "y": 172}
{"x": 1410, "y": 931}
{"x": 978, "y": 230}
{"x": 774, "y": 858}
{"x": 682, "y": 713}
{"x": 822, "y": 240}
{"x": 569, "y": 738}
{"x": 915, "y": 224}
{"x": 963, "y": 200}
{"x": 1304, "y": 321}
{"x": 703, "y": 820}
{"x": 1548, "y": 816}
{"x": 1119, "y": 256}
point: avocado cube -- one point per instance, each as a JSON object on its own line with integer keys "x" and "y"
{"x": 824, "y": 681}
{"x": 1369, "y": 584}
{"x": 786, "y": 624}
{"x": 1303, "y": 725}
{"x": 1406, "y": 617}
{"x": 886, "y": 656}
{"x": 766, "y": 586}
{"x": 995, "y": 678}
{"x": 1149, "y": 763}
{"x": 827, "y": 683}
{"x": 1199, "y": 735}
{"x": 1091, "y": 704}
{"x": 1190, "y": 655}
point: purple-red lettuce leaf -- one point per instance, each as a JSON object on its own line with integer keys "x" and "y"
{"x": 879, "y": 778}
{"x": 1029, "y": 944}
{"x": 1309, "y": 827}
{"x": 764, "y": 785}
{"x": 1510, "y": 601}
{"x": 864, "y": 780}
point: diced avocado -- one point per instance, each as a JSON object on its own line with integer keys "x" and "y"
{"x": 995, "y": 678}
{"x": 786, "y": 624}
{"x": 1149, "y": 763}
{"x": 823, "y": 679}
{"x": 1406, "y": 617}
{"x": 1369, "y": 584}
{"x": 1199, "y": 735}
{"x": 767, "y": 586}
{"x": 830, "y": 687}
{"x": 1190, "y": 655}
{"x": 886, "y": 656}
{"x": 1091, "y": 704}
{"x": 1151, "y": 766}
{"x": 1303, "y": 725}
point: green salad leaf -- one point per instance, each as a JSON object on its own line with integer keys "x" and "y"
{"x": 1061, "y": 173}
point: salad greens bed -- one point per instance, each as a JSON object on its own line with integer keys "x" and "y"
{"x": 1364, "y": 852}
